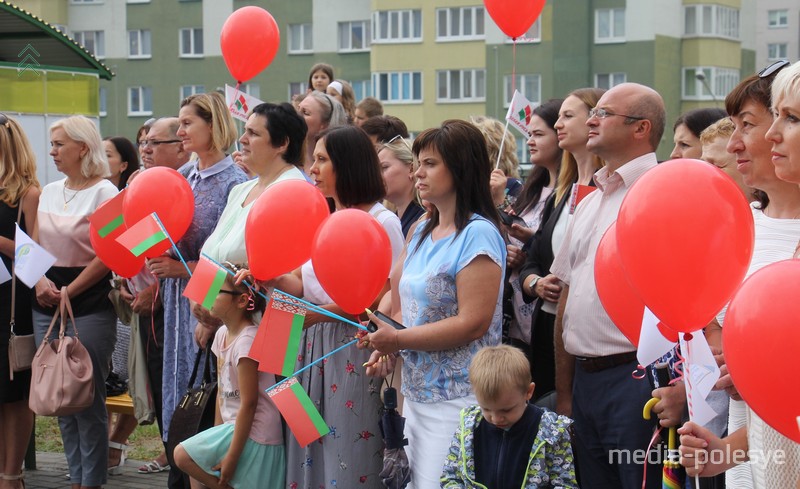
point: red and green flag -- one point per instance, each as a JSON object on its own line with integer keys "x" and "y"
{"x": 205, "y": 284}
{"x": 277, "y": 342}
{"x": 107, "y": 219}
{"x": 299, "y": 411}
{"x": 143, "y": 235}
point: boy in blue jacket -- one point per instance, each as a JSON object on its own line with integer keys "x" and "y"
{"x": 506, "y": 443}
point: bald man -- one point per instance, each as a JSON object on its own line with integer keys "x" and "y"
{"x": 594, "y": 360}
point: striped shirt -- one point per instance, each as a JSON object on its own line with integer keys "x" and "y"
{"x": 588, "y": 331}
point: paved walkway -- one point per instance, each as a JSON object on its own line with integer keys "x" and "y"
{"x": 51, "y": 468}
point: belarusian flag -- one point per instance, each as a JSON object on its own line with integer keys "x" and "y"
{"x": 519, "y": 113}
{"x": 107, "y": 219}
{"x": 239, "y": 103}
{"x": 205, "y": 284}
{"x": 277, "y": 342}
{"x": 299, "y": 412}
{"x": 143, "y": 235}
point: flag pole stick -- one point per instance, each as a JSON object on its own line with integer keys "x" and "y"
{"x": 311, "y": 364}
{"x": 502, "y": 143}
{"x": 309, "y": 305}
{"x": 174, "y": 246}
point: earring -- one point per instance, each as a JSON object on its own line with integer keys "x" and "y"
{"x": 251, "y": 303}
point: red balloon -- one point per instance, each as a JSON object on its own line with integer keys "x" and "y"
{"x": 115, "y": 256}
{"x": 685, "y": 235}
{"x": 280, "y": 227}
{"x": 760, "y": 338}
{"x": 352, "y": 256}
{"x": 514, "y": 18}
{"x": 249, "y": 40}
{"x": 620, "y": 301}
{"x": 167, "y": 193}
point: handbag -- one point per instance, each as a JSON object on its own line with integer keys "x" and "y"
{"x": 21, "y": 348}
{"x": 62, "y": 380}
{"x": 194, "y": 412}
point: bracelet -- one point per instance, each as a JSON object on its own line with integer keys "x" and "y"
{"x": 397, "y": 340}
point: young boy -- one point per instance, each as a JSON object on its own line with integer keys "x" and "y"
{"x": 506, "y": 442}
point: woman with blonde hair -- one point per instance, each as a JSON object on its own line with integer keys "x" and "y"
{"x": 321, "y": 111}
{"x": 206, "y": 128}
{"x": 19, "y": 196}
{"x": 62, "y": 229}
{"x": 504, "y": 181}
{"x": 578, "y": 166}
{"x": 398, "y": 165}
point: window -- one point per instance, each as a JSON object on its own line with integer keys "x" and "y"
{"x": 93, "y": 41}
{"x": 609, "y": 25}
{"x": 397, "y": 86}
{"x": 528, "y": 85}
{"x": 300, "y": 38}
{"x": 608, "y": 80}
{"x": 252, "y": 89}
{"x": 103, "y": 102}
{"x": 187, "y": 90}
{"x": 711, "y": 21}
{"x": 776, "y": 51}
{"x": 191, "y": 40}
{"x": 138, "y": 1}
{"x": 778, "y": 19}
{"x": 354, "y": 36}
{"x": 139, "y": 44}
{"x": 461, "y": 86}
{"x": 140, "y": 101}
{"x": 296, "y": 88}
{"x": 397, "y": 26}
{"x": 459, "y": 23}
{"x": 86, "y": 1}
{"x": 361, "y": 88}
{"x": 533, "y": 35}
{"x": 720, "y": 80}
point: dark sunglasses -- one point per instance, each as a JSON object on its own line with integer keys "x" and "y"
{"x": 773, "y": 68}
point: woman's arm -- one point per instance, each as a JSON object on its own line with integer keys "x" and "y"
{"x": 477, "y": 287}
{"x": 247, "y": 371}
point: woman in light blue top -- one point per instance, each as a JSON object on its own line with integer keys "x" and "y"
{"x": 448, "y": 293}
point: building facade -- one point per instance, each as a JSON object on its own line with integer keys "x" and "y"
{"x": 428, "y": 61}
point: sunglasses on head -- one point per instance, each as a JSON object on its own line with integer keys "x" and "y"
{"x": 773, "y": 68}
{"x": 4, "y": 120}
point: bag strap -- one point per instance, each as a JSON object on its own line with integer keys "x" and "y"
{"x": 207, "y": 371}
{"x": 14, "y": 275}
{"x": 196, "y": 367}
{"x": 66, "y": 312}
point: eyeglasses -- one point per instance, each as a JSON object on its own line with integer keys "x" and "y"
{"x": 155, "y": 142}
{"x": 230, "y": 292}
{"x": 773, "y": 68}
{"x": 603, "y": 113}
{"x": 401, "y": 138}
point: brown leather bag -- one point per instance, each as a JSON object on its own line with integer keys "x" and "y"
{"x": 62, "y": 381}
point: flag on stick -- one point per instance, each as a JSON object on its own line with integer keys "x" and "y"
{"x": 31, "y": 261}
{"x": 277, "y": 342}
{"x": 205, "y": 284}
{"x": 107, "y": 219}
{"x": 143, "y": 235}
{"x": 299, "y": 411}
{"x": 519, "y": 113}
{"x": 239, "y": 103}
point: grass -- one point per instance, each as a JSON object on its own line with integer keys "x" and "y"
{"x": 145, "y": 442}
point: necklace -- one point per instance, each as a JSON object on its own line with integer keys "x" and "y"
{"x": 64, "y": 191}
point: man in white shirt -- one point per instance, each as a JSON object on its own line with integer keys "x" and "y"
{"x": 594, "y": 360}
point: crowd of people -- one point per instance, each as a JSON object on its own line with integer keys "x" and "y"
{"x": 479, "y": 258}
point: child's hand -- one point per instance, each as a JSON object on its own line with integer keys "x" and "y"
{"x": 226, "y": 469}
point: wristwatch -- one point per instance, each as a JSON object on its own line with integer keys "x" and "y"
{"x": 532, "y": 284}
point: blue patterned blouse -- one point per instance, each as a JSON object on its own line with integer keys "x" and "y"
{"x": 428, "y": 294}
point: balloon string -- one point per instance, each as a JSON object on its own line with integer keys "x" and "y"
{"x": 649, "y": 447}
{"x": 513, "y": 64}
{"x": 310, "y": 306}
{"x": 312, "y": 364}
{"x": 678, "y": 367}
{"x": 153, "y": 310}
{"x": 688, "y": 377}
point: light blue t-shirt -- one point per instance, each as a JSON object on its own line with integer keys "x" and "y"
{"x": 428, "y": 294}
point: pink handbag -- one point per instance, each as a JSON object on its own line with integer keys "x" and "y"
{"x": 62, "y": 380}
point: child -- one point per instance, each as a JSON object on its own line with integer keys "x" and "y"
{"x": 320, "y": 76}
{"x": 506, "y": 442}
{"x": 245, "y": 448}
